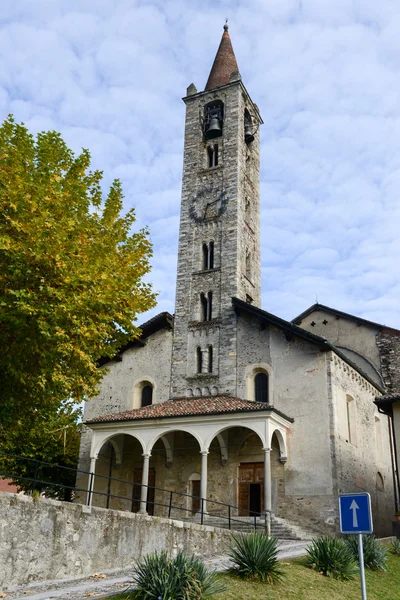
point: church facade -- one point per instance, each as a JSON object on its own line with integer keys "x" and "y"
{"x": 224, "y": 402}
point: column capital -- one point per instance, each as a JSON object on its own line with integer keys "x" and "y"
{"x": 267, "y": 449}
{"x": 146, "y": 455}
{"x": 204, "y": 452}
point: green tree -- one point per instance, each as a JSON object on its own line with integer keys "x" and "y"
{"x": 71, "y": 280}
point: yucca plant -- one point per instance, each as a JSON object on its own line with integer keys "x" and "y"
{"x": 332, "y": 557}
{"x": 255, "y": 556}
{"x": 395, "y": 547}
{"x": 160, "y": 577}
{"x": 375, "y": 555}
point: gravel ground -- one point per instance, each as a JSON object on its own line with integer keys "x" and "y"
{"x": 102, "y": 585}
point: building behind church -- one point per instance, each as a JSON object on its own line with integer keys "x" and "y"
{"x": 224, "y": 401}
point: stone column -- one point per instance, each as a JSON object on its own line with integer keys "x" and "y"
{"x": 267, "y": 489}
{"x": 92, "y": 471}
{"x": 203, "y": 479}
{"x": 145, "y": 483}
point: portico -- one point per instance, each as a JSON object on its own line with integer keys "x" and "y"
{"x": 229, "y": 429}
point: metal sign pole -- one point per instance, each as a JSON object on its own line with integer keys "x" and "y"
{"x": 362, "y": 571}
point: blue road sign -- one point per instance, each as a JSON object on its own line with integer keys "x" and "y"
{"x": 355, "y": 513}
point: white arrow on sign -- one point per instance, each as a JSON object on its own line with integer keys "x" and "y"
{"x": 354, "y": 507}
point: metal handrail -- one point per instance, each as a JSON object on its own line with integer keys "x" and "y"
{"x": 133, "y": 498}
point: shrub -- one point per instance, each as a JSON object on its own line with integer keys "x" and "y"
{"x": 375, "y": 555}
{"x": 182, "y": 578}
{"x": 255, "y": 556}
{"x": 332, "y": 557}
{"x": 395, "y": 547}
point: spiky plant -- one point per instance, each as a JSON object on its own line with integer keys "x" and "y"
{"x": 375, "y": 555}
{"x": 395, "y": 547}
{"x": 255, "y": 556}
{"x": 158, "y": 576}
{"x": 332, "y": 557}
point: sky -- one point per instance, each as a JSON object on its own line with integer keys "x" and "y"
{"x": 325, "y": 74}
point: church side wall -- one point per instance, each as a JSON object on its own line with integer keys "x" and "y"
{"x": 151, "y": 362}
{"x": 301, "y": 392}
{"x": 298, "y": 387}
{"x": 362, "y": 445}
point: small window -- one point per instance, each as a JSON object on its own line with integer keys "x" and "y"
{"x": 261, "y": 387}
{"x": 211, "y": 256}
{"x": 208, "y": 256}
{"x": 209, "y": 311}
{"x": 212, "y": 154}
{"x": 204, "y": 307}
{"x": 205, "y": 256}
{"x": 210, "y": 359}
{"x": 199, "y": 360}
{"x": 147, "y": 395}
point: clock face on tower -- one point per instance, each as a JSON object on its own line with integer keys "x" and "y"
{"x": 207, "y": 205}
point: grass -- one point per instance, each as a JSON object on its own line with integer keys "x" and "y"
{"x": 303, "y": 583}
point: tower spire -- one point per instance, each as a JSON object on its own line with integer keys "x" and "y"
{"x": 224, "y": 63}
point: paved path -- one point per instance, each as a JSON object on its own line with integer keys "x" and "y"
{"x": 117, "y": 582}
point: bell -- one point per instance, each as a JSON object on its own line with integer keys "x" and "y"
{"x": 248, "y": 134}
{"x": 214, "y": 128}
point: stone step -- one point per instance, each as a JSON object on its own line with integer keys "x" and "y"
{"x": 280, "y": 528}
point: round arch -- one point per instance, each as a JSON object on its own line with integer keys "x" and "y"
{"x": 250, "y": 373}
{"x": 135, "y": 398}
{"x": 155, "y": 439}
{"x": 221, "y": 430}
{"x": 98, "y": 445}
{"x": 281, "y": 441}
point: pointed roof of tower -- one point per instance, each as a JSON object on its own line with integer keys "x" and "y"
{"x": 224, "y": 63}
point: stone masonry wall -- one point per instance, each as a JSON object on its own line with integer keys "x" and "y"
{"x": 45, "y": 539}
{"x": 235, "y": 233}
{"x": 388, "y": 342}
{"x": 361, "y": 443}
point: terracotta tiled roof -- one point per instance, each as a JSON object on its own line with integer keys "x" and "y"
{"x": 224, "y": 63}
{"x": 183, "y": 407}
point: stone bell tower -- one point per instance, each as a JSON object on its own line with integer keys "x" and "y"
{"x": 219, "y": 237}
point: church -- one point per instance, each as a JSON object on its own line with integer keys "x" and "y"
{"x": 224, "y": 402}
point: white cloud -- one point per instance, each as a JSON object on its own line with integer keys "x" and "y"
{"x": 325, "y": 75}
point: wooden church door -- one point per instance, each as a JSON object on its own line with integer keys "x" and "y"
{"x": 251, "y": 489}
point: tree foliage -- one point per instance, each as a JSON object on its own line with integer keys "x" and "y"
{"x": 71, "y": 275}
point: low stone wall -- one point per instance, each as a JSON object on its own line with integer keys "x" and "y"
{"x": 44, "y": 539}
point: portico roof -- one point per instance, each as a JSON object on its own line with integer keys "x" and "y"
{"x": 187, "y": 407}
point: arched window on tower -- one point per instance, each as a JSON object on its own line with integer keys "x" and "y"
{"x": 208, "y": 256}
{"x": 210, "y": 359}
{"x": 209, "y": 311}
{"x": 203, "y": 307}
{"x": 199, "y": 360}
{"x": 205, "y": 256}
{"x": 248, "y": 127}
{"x": 206, "y": 306}
{"x": 147, "y": 394}
{"x": 211, "y": 256}
{"x": 213, "y": 119}
{"x": 261, "y": 387}
{"x": 212, "y": 156}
